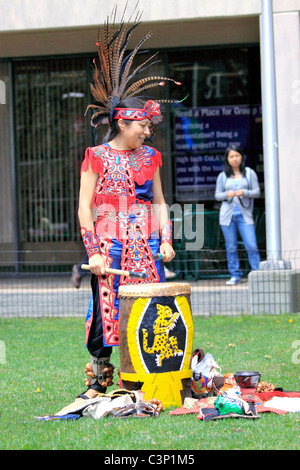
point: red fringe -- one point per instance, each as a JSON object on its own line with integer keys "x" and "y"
{"x": 90, "y": 160}
{"x": 145, "y": 172}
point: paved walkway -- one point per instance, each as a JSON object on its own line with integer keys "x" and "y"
{"x": 47, "y": 296}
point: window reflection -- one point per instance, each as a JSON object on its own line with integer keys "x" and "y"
{"x": 222, "y": 106}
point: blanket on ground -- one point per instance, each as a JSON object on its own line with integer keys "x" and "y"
{"x": 205, "y": 409}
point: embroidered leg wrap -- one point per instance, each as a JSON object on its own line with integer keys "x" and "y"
{"x": 100, "y": 373}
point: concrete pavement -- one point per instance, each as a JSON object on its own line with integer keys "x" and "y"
{"x": 47, "y": 296}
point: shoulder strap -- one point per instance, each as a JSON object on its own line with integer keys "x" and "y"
{"x": 224, "y": 179}
{"x": 248, "y": 176}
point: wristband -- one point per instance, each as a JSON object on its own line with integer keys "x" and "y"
{"x": 90, "y": 241}
{"x": 166, "y": 233}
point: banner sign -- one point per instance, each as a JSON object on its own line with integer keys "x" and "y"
{"x": 200, "y": 140}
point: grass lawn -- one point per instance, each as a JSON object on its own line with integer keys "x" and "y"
{"x": 42, "y": 371}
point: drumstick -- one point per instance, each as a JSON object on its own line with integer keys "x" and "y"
{"x": 119, "y": 272}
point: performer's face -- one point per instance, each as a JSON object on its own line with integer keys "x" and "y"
{"x": 135, "y": 132}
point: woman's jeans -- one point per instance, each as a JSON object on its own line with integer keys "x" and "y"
{"x": 247, "y": 233}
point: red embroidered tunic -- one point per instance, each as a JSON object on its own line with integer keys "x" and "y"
{"x": 122, "y": 190}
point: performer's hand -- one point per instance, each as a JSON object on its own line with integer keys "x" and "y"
{"x": 230, "y": 194}
{"x": 239, "y": 192}
{"x": 167, "y": 250}
{"x": 97, "y": 264}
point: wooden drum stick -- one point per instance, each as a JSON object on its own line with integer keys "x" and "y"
{"x": 119, "y": 272}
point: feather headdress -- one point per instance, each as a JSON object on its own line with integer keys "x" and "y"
{"x": 114, "y": 80}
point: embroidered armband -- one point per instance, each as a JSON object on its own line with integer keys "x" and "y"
{"x": 166, "y": 233}
{"x": 91, "y": 242}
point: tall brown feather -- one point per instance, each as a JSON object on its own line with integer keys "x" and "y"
{"x": 113, "y": 79}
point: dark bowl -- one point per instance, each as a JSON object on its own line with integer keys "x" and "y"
{"x": 247, "y": 379}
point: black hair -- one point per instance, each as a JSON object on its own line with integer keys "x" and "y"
{"x": 136, "y": 103}
{"x": 227, "y": 168}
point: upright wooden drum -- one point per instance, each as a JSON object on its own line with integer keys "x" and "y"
{"x": 156, "y": 340}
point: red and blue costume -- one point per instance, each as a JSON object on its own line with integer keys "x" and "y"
{"x": 127, "y": 233}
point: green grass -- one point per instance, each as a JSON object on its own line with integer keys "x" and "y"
{"x": 43, "y": 372}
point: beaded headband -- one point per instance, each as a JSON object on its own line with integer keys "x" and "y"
{"x": 150, "y": 109}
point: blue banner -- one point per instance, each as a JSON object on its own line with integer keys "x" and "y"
{"x": 200, "y": 139}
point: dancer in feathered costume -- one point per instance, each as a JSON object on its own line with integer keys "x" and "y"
{"x": 120, "y": 178}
